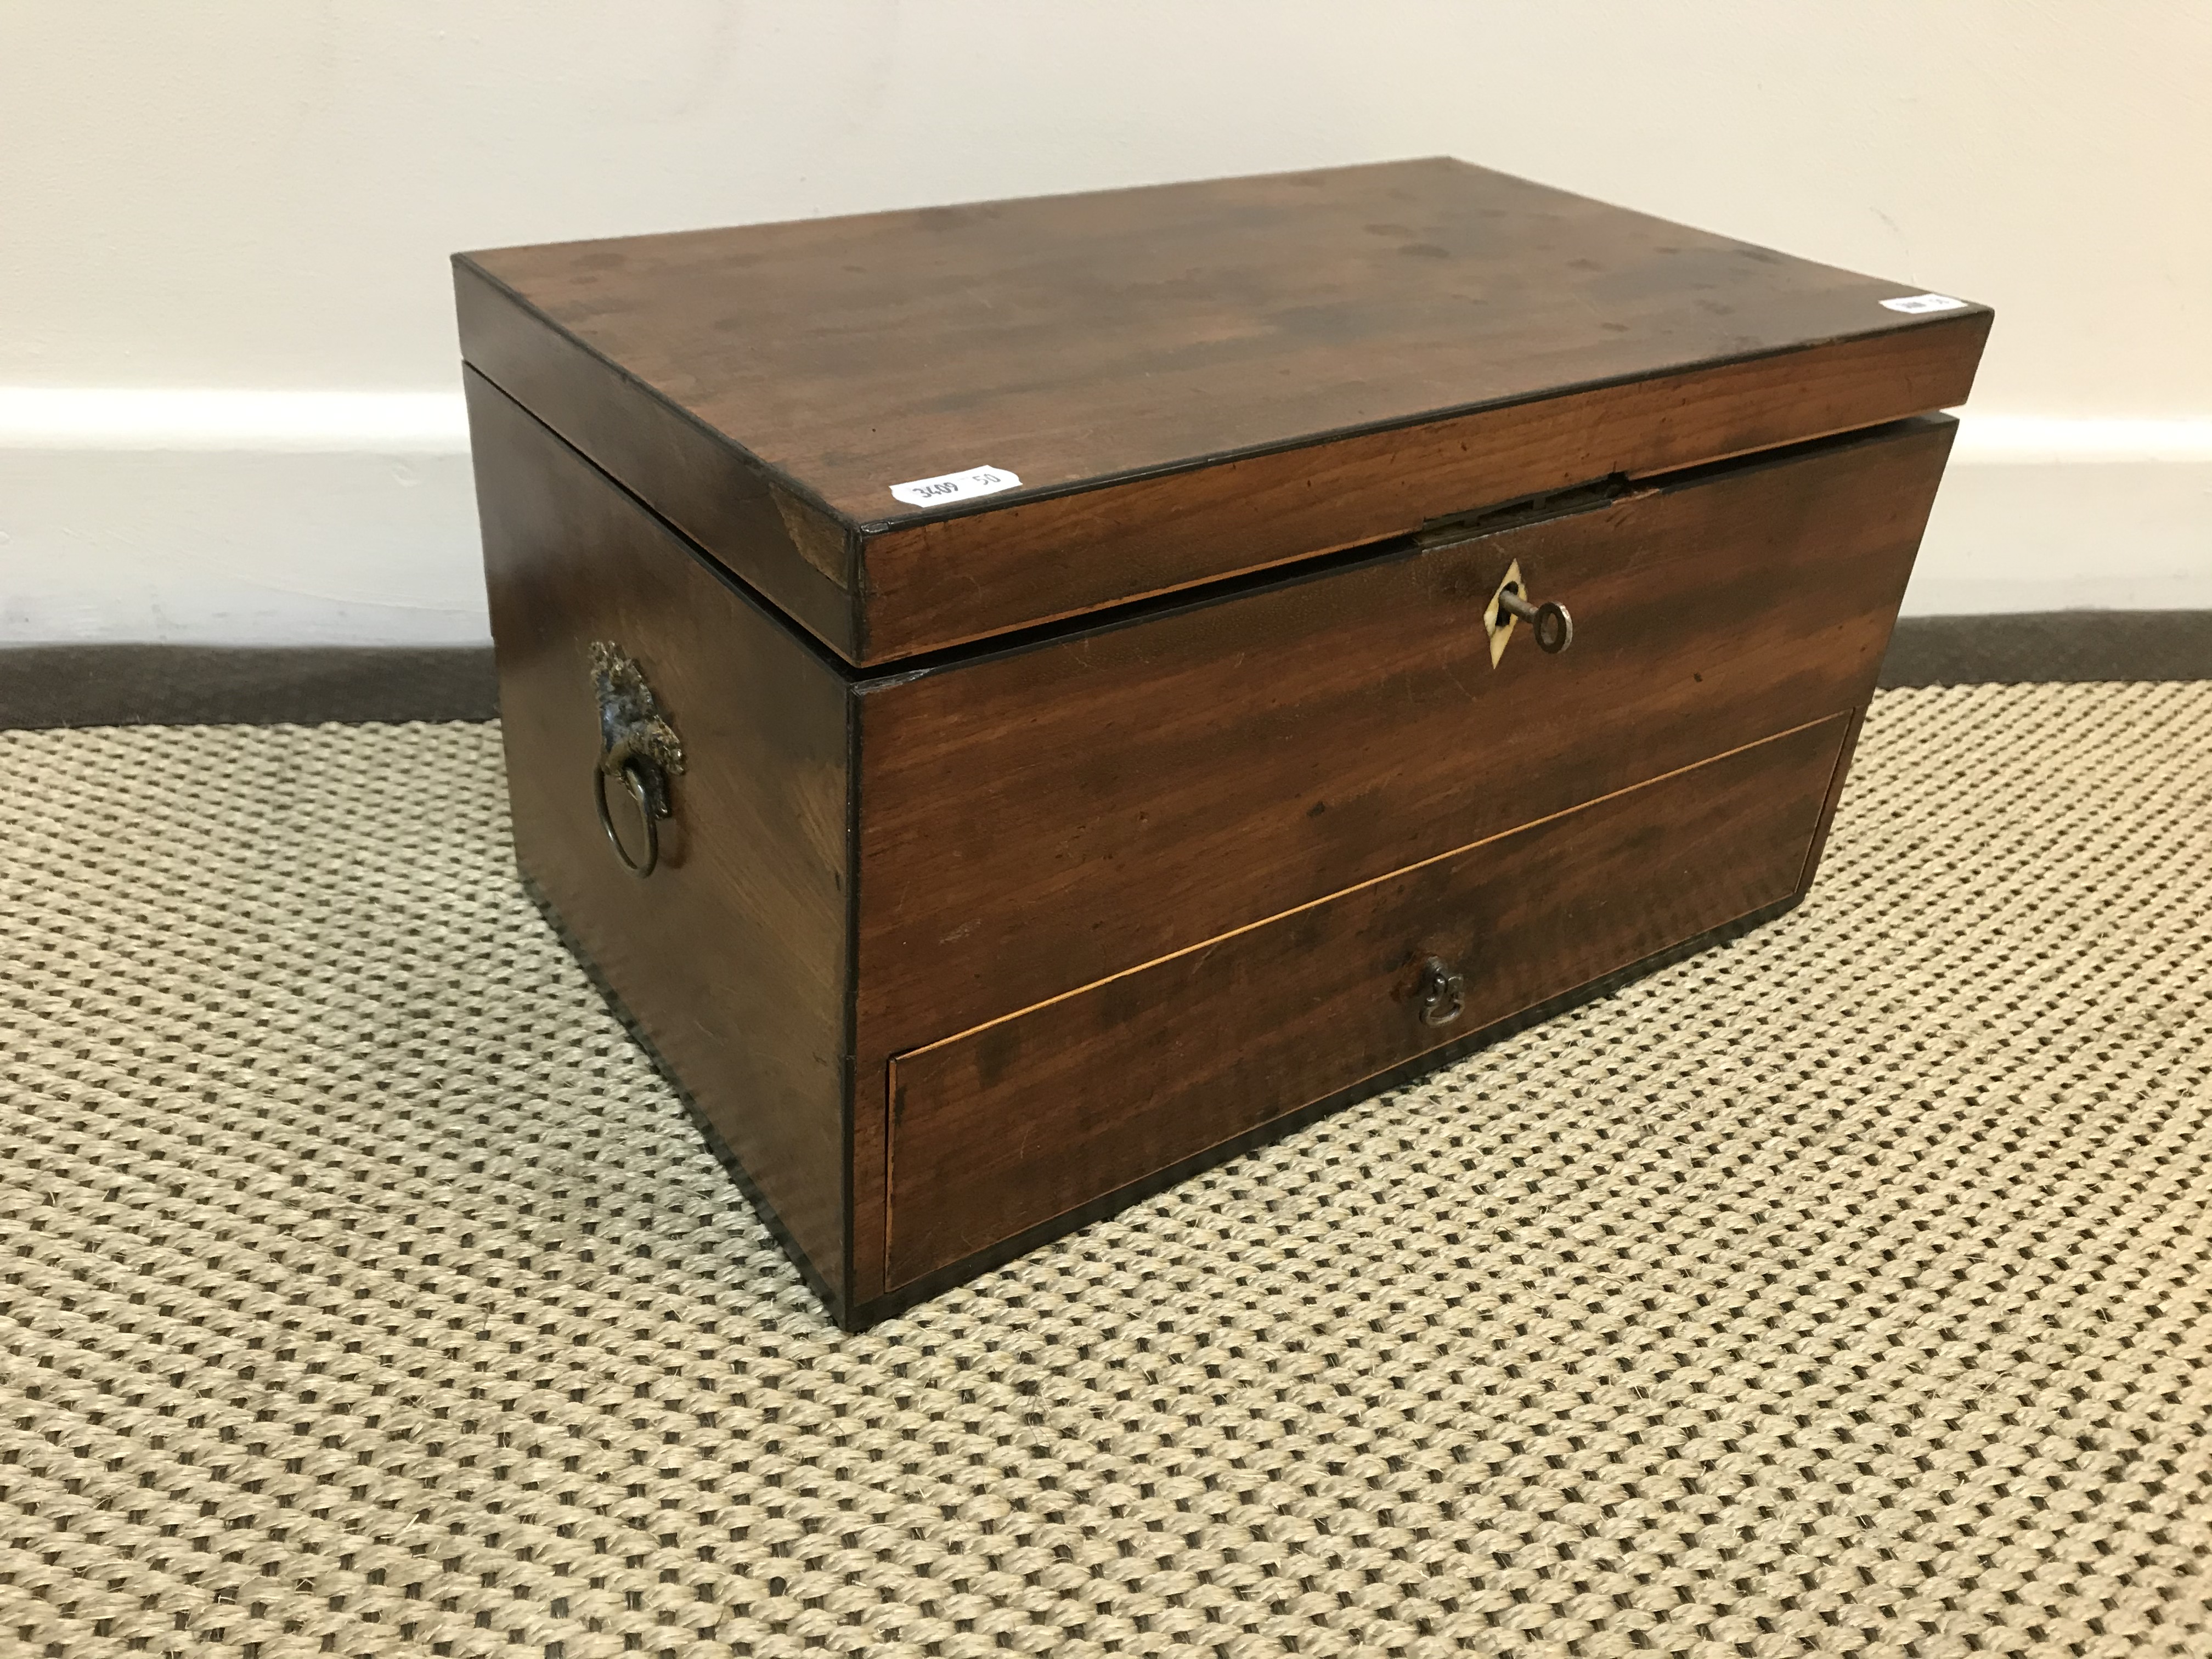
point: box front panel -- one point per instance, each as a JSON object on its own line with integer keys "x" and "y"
{"x": 1038, "y": 820}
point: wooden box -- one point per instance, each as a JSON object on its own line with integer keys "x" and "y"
{"x": 1098, "y": 680}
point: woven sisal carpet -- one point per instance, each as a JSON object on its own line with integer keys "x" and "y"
{"x": 1847, "y": 1289}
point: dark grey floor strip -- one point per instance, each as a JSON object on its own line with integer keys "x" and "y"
{"x": 2044, "y": 646}
{"x": 48, "y": 685}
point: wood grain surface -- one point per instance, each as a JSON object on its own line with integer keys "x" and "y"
{"x": 732, "y": 957}
{"x": 1003, "y": 1127}
{"x": 1131, "y": 341}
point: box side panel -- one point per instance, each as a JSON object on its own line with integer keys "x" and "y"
{"x": 731, "y": 956}
{"x": 778, "y": 541}
{"x": 940, "y": 583}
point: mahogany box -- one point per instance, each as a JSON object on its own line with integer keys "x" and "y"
{"x": 1016, "y": 701}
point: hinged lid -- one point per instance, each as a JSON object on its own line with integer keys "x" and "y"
{"x": 916, "y": 428}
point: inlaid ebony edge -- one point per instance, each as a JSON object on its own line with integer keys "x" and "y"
{"x": 867, "y": 1314}
{"x": 58, "y": 685}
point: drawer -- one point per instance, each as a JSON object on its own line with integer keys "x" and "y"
{"x": 1041, "y": 818}
{"x": 1009, "y": 1125}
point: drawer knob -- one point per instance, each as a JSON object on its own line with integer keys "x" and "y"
{"x": 1442, "y": 992}
{"x": 1554, "y": 628}
{"x": 638, "y": 747}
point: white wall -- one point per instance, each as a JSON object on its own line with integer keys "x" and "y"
{"x": 255, "y": 197}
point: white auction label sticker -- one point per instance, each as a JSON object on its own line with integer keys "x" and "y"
{"x": 1916, "y": 303}
{"x": 955, "y": 486}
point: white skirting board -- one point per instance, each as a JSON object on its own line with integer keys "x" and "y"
{"x": 237, "y": 518}
{"x": 2070, "y": 515}
{"x": 348, "y": 519}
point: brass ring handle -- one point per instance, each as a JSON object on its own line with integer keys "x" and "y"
{"x": 1554, "y": 628}
{"x": 1442, "y": 992}
{"x": 639, "y": 782}
{"x": 637, "y": 745}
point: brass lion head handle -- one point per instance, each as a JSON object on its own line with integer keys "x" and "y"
{"x": 637, "y": 747}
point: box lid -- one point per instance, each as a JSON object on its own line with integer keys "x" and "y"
{"x": 913, "y": 429}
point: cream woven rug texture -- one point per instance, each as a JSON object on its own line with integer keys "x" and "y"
{"x": 1842, "y": 1290}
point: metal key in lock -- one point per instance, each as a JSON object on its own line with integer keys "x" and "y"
{"x": 1553, "y": 626}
